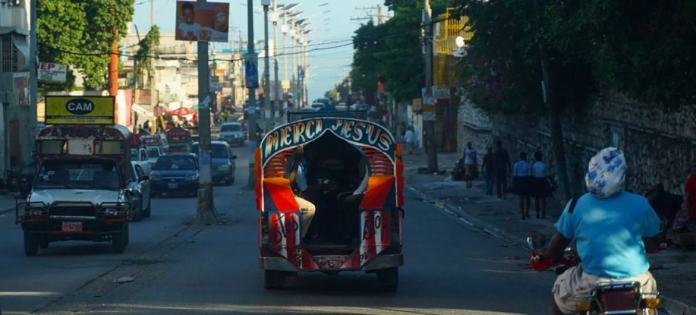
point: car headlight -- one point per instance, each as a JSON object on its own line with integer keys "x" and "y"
{"x": 192, "y": 178}
{"x": 113, "y": 209}
{"x": 224, "y": 167}
{"x": 154, "y": 177}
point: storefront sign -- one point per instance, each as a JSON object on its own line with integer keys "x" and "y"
{"x": 358, "y": 132}
{"x": 441, "y": 92}
{"x": 52, "y": 72}
{"x": 80, "y": 110}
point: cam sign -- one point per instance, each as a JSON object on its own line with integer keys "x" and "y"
{"x": 52, "y": 72}
{"x": 79, "y": 110}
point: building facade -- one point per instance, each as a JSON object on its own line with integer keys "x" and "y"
{"x": 17, "y": 109}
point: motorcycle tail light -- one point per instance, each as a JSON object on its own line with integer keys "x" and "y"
{"x": 583, "y": 305}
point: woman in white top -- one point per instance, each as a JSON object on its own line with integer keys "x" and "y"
{"x": 470, "y": 164}
{"x": 521, "y": 178}
{"x": 540, "y": 185}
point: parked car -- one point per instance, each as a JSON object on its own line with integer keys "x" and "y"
{"x": 139, "y": 190}
{"x": 175, "y": 174}
{"x": 139, "y": 156}
{"x": 222, "y": 162}
{"x": 232, "y": 133}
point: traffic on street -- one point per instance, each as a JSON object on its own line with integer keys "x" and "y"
{"x": 348, "y": 157}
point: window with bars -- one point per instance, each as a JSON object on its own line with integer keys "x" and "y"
{"x": 8, "y": 55}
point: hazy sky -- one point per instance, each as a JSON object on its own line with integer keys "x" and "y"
{"x": 330, "y": 22}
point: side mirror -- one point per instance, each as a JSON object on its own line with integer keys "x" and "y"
{"x": 536, "y": 242}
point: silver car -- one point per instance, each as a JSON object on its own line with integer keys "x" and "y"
{"x": 139, "y": 191}
{"x": 232, "y": 133}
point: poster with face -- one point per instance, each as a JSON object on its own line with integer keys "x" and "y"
{"x": 206, "y": 22}
{"x": 21, "y": 82}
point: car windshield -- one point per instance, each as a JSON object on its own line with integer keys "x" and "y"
{"x": 134, "y": 154}
{"x": 219, "y": 151}
{"x": 153, "y": 153}
{"x": 173, "y": 163}
{"x": 231, "y": 127}
{"x": 77, "y": 175}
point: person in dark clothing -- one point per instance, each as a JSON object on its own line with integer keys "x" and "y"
{"x": 666, "y": 206}
{"x": 487, "y": 170}
{"x": 501, "y": 168}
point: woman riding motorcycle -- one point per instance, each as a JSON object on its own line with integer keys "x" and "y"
{"x": 613, "y": 230}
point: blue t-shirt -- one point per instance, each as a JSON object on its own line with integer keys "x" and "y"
{"x": 521, "y": 168}
{"x": 609, "y": 233}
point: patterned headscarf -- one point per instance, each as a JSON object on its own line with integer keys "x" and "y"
{"x": 606, "y": 173}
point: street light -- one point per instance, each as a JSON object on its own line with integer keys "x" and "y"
{"x": 266, "y": 65}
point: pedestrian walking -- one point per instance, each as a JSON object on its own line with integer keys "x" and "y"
{"x": 501, "y": 168}
{"x": 487, "y": 170}
{"x": 410, "y": 139}
{"x": 521, "y": 178}
{"x": 470, "y": 164}
{"x": 540, "y": 185}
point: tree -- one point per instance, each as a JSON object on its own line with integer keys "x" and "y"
{"x": 340, "y": 92}
{"x": 391, "y": 52}
{"x": 147, "y": 53}
{"x": 80, "y": 33}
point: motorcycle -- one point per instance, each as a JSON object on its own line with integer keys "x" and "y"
{"x": 616, "y": 297}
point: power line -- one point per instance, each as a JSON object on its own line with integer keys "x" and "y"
{"x": 190, "y": 59}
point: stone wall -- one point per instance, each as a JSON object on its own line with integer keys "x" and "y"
{"x": 660, "y": 145}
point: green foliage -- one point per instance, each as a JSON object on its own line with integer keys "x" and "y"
{"x": 80, "y": 33}
{"x": 340, "y": 91}
{"x": 391, "y": 52}
{"x": 503, "y": 72}
{"x": 147, "y": 52}
{"x": 642, "y": 48}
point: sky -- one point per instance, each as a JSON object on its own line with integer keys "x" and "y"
{"x": 329, "y": 20}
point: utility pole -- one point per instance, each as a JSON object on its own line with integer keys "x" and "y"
{"x": 113, "y": 66}
{"x": 276, "y": 100}
{"x": 152, "y": 13}
{"x": 135, "y": 81}
{"x": 266, "y": 61}
{"x": 429, "y": 123}
{"x": 206, "y": 206}
{"x": 251, "y": 106}
{"x": 33, "y": 75}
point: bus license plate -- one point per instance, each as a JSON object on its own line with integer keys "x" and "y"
{"x": 72, "y": 227}
{"x": 173, "y": 186}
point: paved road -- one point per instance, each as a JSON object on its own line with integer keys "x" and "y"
{"x": 450, "y": 269}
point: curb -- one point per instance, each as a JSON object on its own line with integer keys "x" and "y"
{"x": 674, "y": 307}
{"x": 470, "y": 220}
{"x": 7, "y": 211}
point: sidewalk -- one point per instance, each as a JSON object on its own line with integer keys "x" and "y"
{"x": 7, "y": 201}
{"x": 674, "y": 269}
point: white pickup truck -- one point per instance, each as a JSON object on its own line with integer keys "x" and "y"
{"x": 139, "y": 156}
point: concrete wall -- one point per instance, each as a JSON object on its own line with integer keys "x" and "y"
{"x": 10, "y": 96}
{"x": 660, "y": 144}
{"x": 15, "y": 16}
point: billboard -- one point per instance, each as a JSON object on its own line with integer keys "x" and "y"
{"x": 52, "y": 72}
{"x": 205, "y": 22}
{"x": 80, "y": 110}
